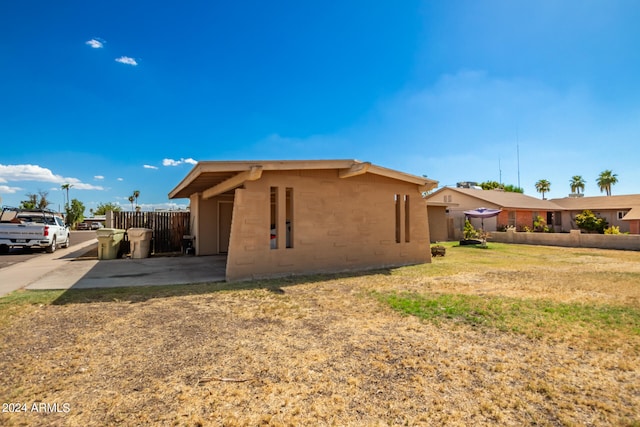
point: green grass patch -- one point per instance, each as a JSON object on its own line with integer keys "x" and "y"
{"x": 19, "y": 301}
{"x": 531, "y": 317}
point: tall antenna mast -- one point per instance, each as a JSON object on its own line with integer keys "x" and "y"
{"x": 500, "y": 170}
{"x": 518, "y": 154}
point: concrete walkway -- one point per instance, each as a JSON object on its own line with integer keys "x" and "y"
{"x": 65, "y": 270}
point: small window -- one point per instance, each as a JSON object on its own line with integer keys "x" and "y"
{"x": 274, "y": 218}
{"x": 621, "y": 214}
{"x": 289, "y": 212}
{"x": 398, "y": 200}
{"x": 407, "y": 217}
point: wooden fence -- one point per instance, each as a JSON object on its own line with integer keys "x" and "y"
{"x": 168, "y": 227}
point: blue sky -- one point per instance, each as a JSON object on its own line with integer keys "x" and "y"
{"x": 118, "y": 96}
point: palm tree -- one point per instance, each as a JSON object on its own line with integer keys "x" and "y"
{"x": 131, "y": 199}
{"x": 543, "y": 186}
{"x": 605, "y": 180}
{"x": 577, "y": 184}
{"x": 66, "y": 187}
{"x": 136, "y": 194}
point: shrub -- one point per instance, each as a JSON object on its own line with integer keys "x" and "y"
{"x": 540, "y": 225}
{"x": 589, "y": 222}
{"x": 612, "y": 230}
{"x": 469, "y": 231}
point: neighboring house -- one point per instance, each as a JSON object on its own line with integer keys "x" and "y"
{"x": 518, "y": 210}
{"x": 278, "y": 218}
{"x": 612, "y": 208}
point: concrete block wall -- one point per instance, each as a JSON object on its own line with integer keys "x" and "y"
{"x": 574, "y": 239}
{"x": 338, "y": 225}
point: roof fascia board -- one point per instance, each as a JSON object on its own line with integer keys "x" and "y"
{"x": 346, "y": 168}
{"x": 192, "y": 175}
{"x": 355, "y": 170}
{"x": 425, "y": 184}
{"x": 235, "y": 181}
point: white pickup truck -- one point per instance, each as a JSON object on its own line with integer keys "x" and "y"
{"x": 22, "y": 228}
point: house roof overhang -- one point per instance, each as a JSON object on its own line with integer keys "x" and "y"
{"x": 633, "y": 214}
{"x": 211, "y": 178}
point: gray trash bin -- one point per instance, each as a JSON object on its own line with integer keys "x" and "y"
{"x": 109, "y": 240}
{"x": 140, "y": 239}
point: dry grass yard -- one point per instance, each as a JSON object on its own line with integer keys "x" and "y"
{"x": 510, "y": 335}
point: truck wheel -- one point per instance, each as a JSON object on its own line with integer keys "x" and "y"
{"x": 68, "y": 242}
{"x": 51, "y": 249}
{"x": 4, "y": 249}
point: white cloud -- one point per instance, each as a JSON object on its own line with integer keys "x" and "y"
{"x": 172, "y": 162}
{"x": 82, "y": 186}
{"x": 95, "y": 43}
{"x": 98, "y": 177}
{"x": 127, "y": 60}
{"x": 40, "y": 174}
{"x": 149, "y": 167}
{"x": 29, "y": 173}
{"x": 120, "y": 179}
{"x": 9, "y": 190}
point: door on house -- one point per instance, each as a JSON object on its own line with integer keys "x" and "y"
{"x": 225, "y": 213}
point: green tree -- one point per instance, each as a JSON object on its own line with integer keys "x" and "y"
{"x": 136, "y": 194}
{"x": 543, "y": 186}
{"x": 589, "y": 222}
{"x": 490, "y": 185}
{"x": 131, "y": 199}
{"x": 75, "y": 212}
{"x": 577, "y": 184}
{"x": 36, "y": 201}
{"x": 605, "y": 180}
{"x": 102, "y": 208}
{"x": 493, "y": 185}
{"x": 510, "y": 188}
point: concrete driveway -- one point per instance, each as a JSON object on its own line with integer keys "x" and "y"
{"x": 65, "y": 270}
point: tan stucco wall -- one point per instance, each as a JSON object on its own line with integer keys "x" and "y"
{"x": 205, "y": 223}
{"x": 338, "y": 225}
{"x": 438, "y": 231}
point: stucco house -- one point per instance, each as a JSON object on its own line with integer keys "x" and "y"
{"x": 621, "y": 211}
{"x": 518, "y": 210}
{"x": 278, "y": 218}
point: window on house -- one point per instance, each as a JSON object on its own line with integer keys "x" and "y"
{"x": 281, "y": 238}
{"x": 557, "y": 218}
{"x": 274, "y": 218}
{"x": 398, "y": 210}
{"x": 512, "y": 218}
{"x": 289, "y": 215}
{"x": 621, "y": 214}
{"x": 406, "y": 218}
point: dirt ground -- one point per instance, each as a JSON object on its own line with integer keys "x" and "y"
{"x": 323, "y": 351}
